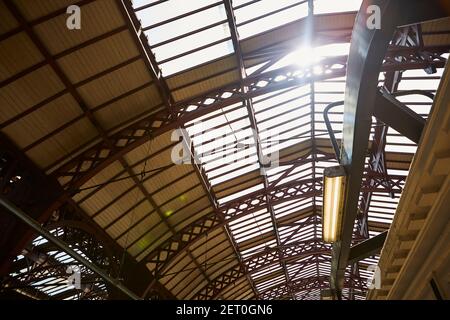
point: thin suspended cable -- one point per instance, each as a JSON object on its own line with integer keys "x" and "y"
{"x": 142, "y": 176}
{"x": 124, "y": 178}
{"x": 231, "y": 128}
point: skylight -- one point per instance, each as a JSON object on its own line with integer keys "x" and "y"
{"x": 183, "y": 34}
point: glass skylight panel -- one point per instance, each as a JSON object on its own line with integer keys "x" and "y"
{"x": 274, "y": 173}
{"x": 225, "y": 145}
{"x": 212, "y": 120}
{"x": 229, "y": 132}
{"x": 234, "y": 173}
{"x": 304, "y": 57}
{"x": 411, "y": 84}
{"x": 327, "y": 98}
{"x": 263, "y": 226}
{"x": 183, "y": 34}
{"x": 44, "y": 281}
{"x": 258, "y": 9}
{"x": 248, "y": 236}
{"x": 290, "y": 234}
{"x": 286, "y": 121}
{"x": 283, "y": 108}
{"x": 58, "y": 290}
{"x": 308, "y": 271}
{"x": 298, "y": 265}
{"x": 282, "y": 117}
{"x": 330, "y": 6}
{"x": 259, "y": 230}
{"x": 268, "y": 14}
{"x": 233, "y": 155}
{"x": 306, "y": 233}
{"x": 192, "y": 42}
{"x": 327, "y": 86}
{"x": 294, "y": 135}
{"x": 324, "y": 269}
{"x": 192, "y": 126}
{"x": 231, "y": 166}
{"x": 144, "y": 3}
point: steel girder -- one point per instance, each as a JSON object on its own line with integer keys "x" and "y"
{"x": 305, "y": 284}
{"x": 408, "y": 38}
{"x": 367, "y": 52}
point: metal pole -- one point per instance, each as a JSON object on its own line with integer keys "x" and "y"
{"x": 63, "y": 246}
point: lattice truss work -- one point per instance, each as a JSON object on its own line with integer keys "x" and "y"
{"x": 243, "y": 82}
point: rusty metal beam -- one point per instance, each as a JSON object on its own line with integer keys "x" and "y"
{"x": 398, "y": 116}
{"x": 366, "y": 248}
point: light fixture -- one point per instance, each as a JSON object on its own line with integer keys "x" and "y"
{"x": 333, "y": 203}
